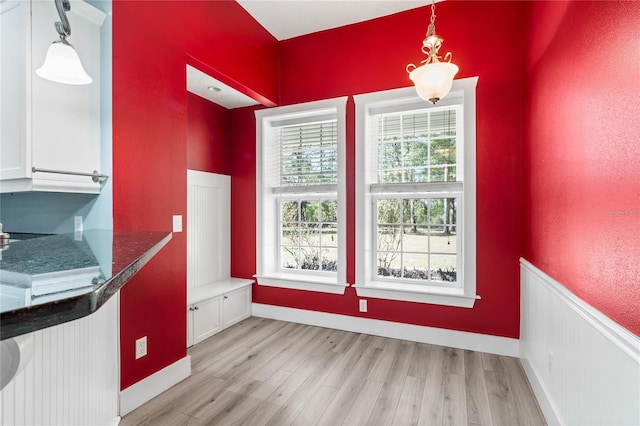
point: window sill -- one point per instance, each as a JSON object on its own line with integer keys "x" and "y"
{"x": 416, "y": 293}
{"x": 302, "y": 282}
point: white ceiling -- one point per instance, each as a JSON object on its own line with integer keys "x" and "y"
{"x": 215, "y": 91}
{"x": 285, "y": 19}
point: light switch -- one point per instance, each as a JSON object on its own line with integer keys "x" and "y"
{"x": 177, "y": 223}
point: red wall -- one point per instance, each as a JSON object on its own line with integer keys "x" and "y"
{"x": 581, "y": 150}
{"x": 372, "y": 56}
{"x": 572, "y": 157}
{"x": 152, "y": 42}
{"x": 208, "y": 146}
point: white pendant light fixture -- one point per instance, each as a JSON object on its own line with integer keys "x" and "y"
{"x": 433, "y": 79}
{"x": 62, "y": 63}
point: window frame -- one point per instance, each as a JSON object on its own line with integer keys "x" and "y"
{"x": 367, "y": 283}
{"x": 269, "y": 271}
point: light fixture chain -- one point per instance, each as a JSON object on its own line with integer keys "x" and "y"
{"x": 431, "y": 30}
{"x": 63, "y": 27}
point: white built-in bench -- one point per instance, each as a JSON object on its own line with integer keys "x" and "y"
{"x": 215, "y": 306}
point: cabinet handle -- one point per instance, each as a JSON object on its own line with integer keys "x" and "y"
{"x": 95, "y": 176}
{"x": 196, "y": 308}
{"x": 190, "y": 308}
{"x": 226, "y": 297}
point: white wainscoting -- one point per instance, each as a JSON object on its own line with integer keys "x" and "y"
{"x": 395, "y": 330}
{"x": 584, "y": 368}
{"x": 208, "y": 228}
{"x": 73, "y": 376}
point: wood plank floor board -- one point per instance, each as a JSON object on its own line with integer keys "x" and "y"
{"x": 408, "y": 410}
{"x": 348, "y": 340}
{"x": 383, "y": 364}
{"x": 501, "y": 399}
{"x": 210, "y": 351}
{"x": 431, "y": 409}
{"x": 286, "y": 353}
{"x": 491, "y": 362}
{"x": 363, "y": 405}
{"x": 386, "y": 404}
{"x": 200, "y": 401}
{"x": 228, "y": 408}
{"x": 305, "y": 394}
{"x": 454, "y": 361}
{"x": 348, "y": 361}
{"x": 222, "y": 360}
{"x": 478, "y": 411}
{"x": 420, "y": 361}
{"x": 350, "y": 387}
{"x": 311, "y": 413}
{"x": 202, "y": 351}
{"x": 248, "y": 364}
{"x": 253, "y": 360}
{"x": 528, "y": 410}
{"x": 267, "y": 372}
{"x": 261, "y": 415}
{"x": 267, "y": 387}
{"x": 291, "y": 384}
{"x": 454, "y": 410}
{"x": 246, "y": 386}
{"x": 180, "y": 420}
{"x": 379, "y": 341}
{"x": 324, "y": 343}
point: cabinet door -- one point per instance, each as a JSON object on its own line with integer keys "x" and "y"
{"x": 65, "y": 118}
{"x": 15, "y": 84}
{"x": 237, "y": 306}
{"x": 207, "y": 319}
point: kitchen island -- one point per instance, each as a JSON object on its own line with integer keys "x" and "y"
{"x": 59, "y": 278}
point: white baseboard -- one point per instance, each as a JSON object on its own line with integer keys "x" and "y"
{"x": 436, "y": 336}
{"x": 545, "y": 404}
{"x": 583, "y": 367}
{"x": 150, "y": 387}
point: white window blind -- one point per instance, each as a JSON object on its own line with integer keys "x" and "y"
{"x": 418, "y": 146}
{"x": 308, "y": 155}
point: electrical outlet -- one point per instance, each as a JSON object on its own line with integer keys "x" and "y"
{"x": 77, "y": 228}
{"x": 177, "y": 223}
{"x": 141, "y": 347}
{"x": 363, "y": 305}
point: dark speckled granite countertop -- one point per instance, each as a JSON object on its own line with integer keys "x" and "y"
{"x": 51, "y": 280}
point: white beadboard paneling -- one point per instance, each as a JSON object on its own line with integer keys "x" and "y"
{"x": 583, "y": 367}
{"x": 208, "y": 228}
{"x": 72, "y": 378}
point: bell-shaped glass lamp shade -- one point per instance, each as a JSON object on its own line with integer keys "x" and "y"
{"x": 62, "y": 65}
{"x": 433, "y": 81}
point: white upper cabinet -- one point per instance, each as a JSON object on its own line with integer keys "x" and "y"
{"x": 47, "y": 125}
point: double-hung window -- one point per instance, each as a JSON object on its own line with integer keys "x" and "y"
{"x": 415, "y": 196}
{"x": 301, "y": 196}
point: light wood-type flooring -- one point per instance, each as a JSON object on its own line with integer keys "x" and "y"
{"x": 267, "y": 372}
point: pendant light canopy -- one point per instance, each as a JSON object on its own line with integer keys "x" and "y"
{"x": 433, "y": 79}
{"x": 62, "y": 63}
